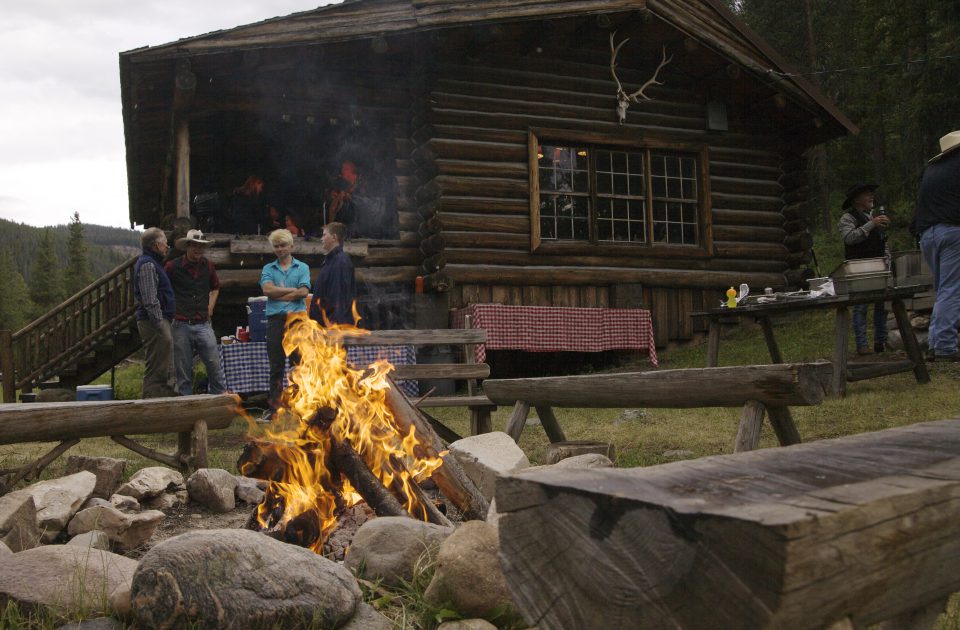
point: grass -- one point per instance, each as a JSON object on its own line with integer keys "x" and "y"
{"x": 641, "y": 440}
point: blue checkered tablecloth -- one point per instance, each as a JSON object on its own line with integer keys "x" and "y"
{"x": 247, "y": 369}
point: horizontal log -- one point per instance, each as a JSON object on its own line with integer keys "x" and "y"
{"x": 417, "y": 337}
{"x": 746, "y": 155}
{"x": 48, "y": 422}
{"x": 486, "y": 239}
{"x": 457, "y": 149}
{"x": 300, "y": 246}
{"x": 746, "y": 217}
{"x": 743, "y": 170}
{"x": 796, "y": 211}
{"x": 733, "y": 249}
{"x": 476, "y": 168}
{"x": 249, "y": 279}
{"x": 488, "y": 223}
{"x": 484, "y": 205}
{"x": 604, "y": 276}
{"x": 781, "y": 384}
{"x": 439, "y": 133}
{"x": 433, "y": 244}
{"x": 457, "y": 371}
{"x": 798, "y": 241}
{"x": 443, "y": 185}
{"x": 835, "y": 533}
{"x": 752, "y": 234}
{"x": 737, "y": 185}
{"x": 746, "y": 202}
{"x": 864, "y": 371}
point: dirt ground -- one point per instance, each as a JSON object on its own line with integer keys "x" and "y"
{"x": 193, "y": 517}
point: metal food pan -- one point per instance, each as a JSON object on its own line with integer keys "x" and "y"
{"x": 860, "y": 265}
{"x": 861, "y": 282}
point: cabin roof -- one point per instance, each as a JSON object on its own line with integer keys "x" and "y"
{"x": 709, "y": 22}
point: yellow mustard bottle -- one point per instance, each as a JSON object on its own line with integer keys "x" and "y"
{"x": 731, "y": 297}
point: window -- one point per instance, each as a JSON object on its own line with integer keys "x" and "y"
{"x": 629, "y": 195}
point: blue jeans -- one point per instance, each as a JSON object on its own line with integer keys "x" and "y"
{"x": 200, "y": 337}
{"x": 860, "y": 324}
{"x": 940, "y": 246}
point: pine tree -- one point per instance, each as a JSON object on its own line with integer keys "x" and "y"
{"x": 46, "y": 289}
{"x": 78, "y": 273}
{"x": 15, "y": 305}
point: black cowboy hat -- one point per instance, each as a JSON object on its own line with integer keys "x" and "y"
{"x": 855, "y": 190}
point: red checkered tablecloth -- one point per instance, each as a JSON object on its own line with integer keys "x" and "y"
{"x": 560, "y": 329}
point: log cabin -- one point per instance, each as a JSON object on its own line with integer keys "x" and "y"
{"x": 593, "y": 153}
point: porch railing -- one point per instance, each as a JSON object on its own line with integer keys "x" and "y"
{"x": 58, "y": 339}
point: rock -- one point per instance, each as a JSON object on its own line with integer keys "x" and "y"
{"x": 920, "y": 322}
{"x": 368, "y": 618}
{"x": 127, "y": 531}
{"x": 152, "y": 482}
{"x": 678, "y": 454}
{"x": 248, "y": 490}
{"x": 483, "y": 457}
{"x": 214, "y": 489}
{"x": 56, "y": 394}
{"x": 109, "y": 472}
{"x": 467, "y": 624}
{"x": 18, "y": 522}
{"x": 493, "y": 516}
{"x": 4, "y": 550}
{"x": 589, "y": 460}
{"x": 125, "y": 504}
{"x": 631, "y": 415}
{"x": 120, "y": 601}
{"x": 57, "y": 500}
{"x": 94, "y": 502}
{"x": 101, "y": 623}
{"x": 95, "y": 539}
{"x": 69, "y": 578}
{"x": 236, "y": 578}
{"x": 894, "y": 340}
{"x": 167, "y": 500}
{"x": 468, "y": 573}
{"x": 392, "y": 547}
{"x": 558, "y": 451}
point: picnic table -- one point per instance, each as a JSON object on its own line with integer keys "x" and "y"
{"x": 840, "y": 304}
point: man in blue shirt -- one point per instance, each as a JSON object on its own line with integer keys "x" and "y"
{"x": 336, "y": 288}
{"x": 286, "y": 283}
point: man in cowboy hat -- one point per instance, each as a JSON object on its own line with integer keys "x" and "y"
{"x": 863, "y": 237}
{"x": 938, "y": 224}
{"x": 195, "y": 289}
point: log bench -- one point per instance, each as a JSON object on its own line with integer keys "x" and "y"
{"x": 190, "y": 417}
{"x": 466, "y": 369}
{"x": 840, "y": 533}
{"x": 760, "y": 389}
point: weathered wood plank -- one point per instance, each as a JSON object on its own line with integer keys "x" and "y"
{"x": 865, "y": 527}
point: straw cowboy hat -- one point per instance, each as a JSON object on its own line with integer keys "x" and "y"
{"x": 948, "y": 144}
{"x": 855, "y": 190}
{"x": 193, "y": 236}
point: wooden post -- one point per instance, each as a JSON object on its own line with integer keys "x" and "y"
{"x": 910, "y": 342}
{"x": 6, "y": 366}
{"x": 840, "y": 351}
{"x": 183, "y": 168}
{"x": 751, "y": 421}
{"x": 770, "y": 339}
{"x": 550, "y": 424}
{"x": 517, "y": 420}
{"x": 199, "y": 444}
{"x": 713, "y": 342}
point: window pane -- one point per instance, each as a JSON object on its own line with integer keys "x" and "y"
{"x": 688, "y": 166}
{"x": 689, "y": 188}
{"x": 689, "y": 234}
{"x": 564, "y": 206}
{"x": 548, "y": 228}
{"x": 582, "y": 159}
{"x": 603, "y": 208}
{"x": 581, "y": 207}
{"x": 581, "y": 229}
{"x": 673, "y": 188}
{"x": 659, "y": 187}
{"x": 689, "y": 213}
{"x": 620, "y": 209}
{"x": 658, "y": 165}
{"x": 581, "y": 181}
{"x": 659, "y": 211}
{"x": 636, "y": 185}
{"x": 674, "y": 233}
{"x": 603, "y": 161}
{"x": 619, "y": 162}
{"x": 636, "y": 211}
{"x": 621, "y": 231}
{"x": 604, "y": 184}
{"x": 620, "y": 185}
{"x": 674, "y": 214}
{"x": 635, "y": 163}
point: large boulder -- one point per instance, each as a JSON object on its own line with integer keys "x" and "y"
{"x": 236, "y": 578}
{"x": 18, "y": 522}
{"x": 151, "y": 482}
{"x": 125, "y": 531}
{"x": 486, "y": 456}
{"x": 214, "y": 489}
{"x": 108, "y": 470}
{"x": 390, "y": 548}
{"x": 367, "y": 618}
{"x": 93, "y": 539}
{"x": 468, "y": 574}
{"x": 68, "y": 578}
{"x": 57, "y": 500}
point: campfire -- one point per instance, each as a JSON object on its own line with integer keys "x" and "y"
{"x": 343, "y": 436}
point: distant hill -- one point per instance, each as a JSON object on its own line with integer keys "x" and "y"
{"x": 107, "y": 247}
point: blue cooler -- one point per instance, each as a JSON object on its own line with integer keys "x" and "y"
{"x": 257, "y": 318}
{"x": 94, "y": 392}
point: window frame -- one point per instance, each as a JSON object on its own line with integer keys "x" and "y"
{"x": 593, "y": 141}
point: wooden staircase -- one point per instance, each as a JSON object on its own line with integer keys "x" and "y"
{"x": 75, "y": 342}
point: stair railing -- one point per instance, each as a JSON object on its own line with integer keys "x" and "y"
{"x": 44, "y": 347}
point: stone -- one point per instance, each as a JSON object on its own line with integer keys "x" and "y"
{"x": 56, "y": 394}
{"x": 588, "y": 460}
{"x": 19, "y": 529}
{"x": 126, "y": 531}
{"x": 108, "y": 470}
{"x": 94, "y": 502}
{"x": 152, "y": 482}
{"x": 213, "y": 488}
{"x": 100, "y": 623}
{"x": 468, "y": 573}
{"x": 558, "y": 451}
{"x": 237, "y": 578}
{"x": 124, "y": 503}
{"x": 4, "y": 550}
{"x": 467, "y": 624}
{"x": 95, "y": 539}
{"x": 167, "y": 500}
{"x": 484, "y": 457}
{"x": 120, "y": 601}
{"x": 392, "y": 548}
{"x": 368, "y": 618}
{"x": 631, "y": 415}
{"x": 68, "y": 578}
{"x": 57, "y": 500}
{"x": 678, "y": 454}
{"x": 249, "y": 490}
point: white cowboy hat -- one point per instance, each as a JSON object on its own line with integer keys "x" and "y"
{"x": 193, "y": 236}
{"x": 948, "y": 143}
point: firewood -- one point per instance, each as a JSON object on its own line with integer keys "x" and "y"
{"x": 377, "y": 496}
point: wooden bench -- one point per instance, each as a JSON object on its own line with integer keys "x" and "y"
{"x": 841, "y": 533}
{"x": 465, "y": 369}
{"x": 188, "y": 416}
{"x": 759, "y": 389}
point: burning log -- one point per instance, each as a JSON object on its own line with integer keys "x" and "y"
{"x": 347, "y": 461}
{"x": 450, "y": 478}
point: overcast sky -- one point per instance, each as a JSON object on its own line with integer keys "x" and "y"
{"x": 61, "y": 132}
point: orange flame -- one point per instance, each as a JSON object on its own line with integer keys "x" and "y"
{"x": 325, "y": 380}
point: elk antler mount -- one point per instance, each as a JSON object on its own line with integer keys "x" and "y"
{"x": 624, "y": 99}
